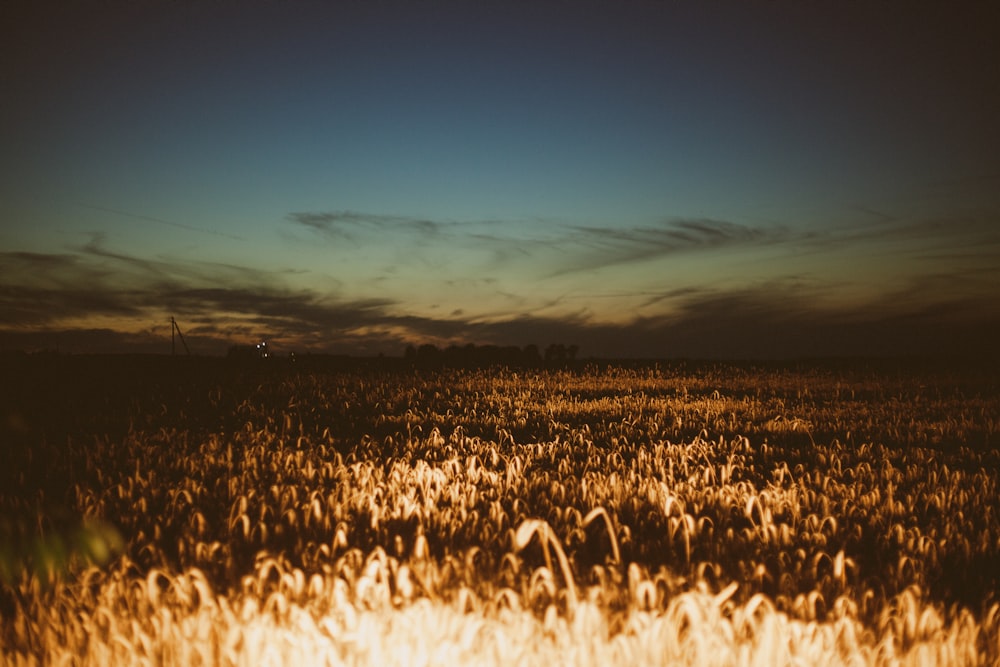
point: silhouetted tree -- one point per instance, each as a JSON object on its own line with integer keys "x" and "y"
{"x": 558, "y": 353}
{"x": 482, "y": 356}
{"x": 531, "y": 355}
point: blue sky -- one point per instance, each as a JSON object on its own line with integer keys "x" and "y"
{"x": 641, "y": 178}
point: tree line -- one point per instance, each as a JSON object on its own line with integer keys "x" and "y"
{"x": 489, "y": 355}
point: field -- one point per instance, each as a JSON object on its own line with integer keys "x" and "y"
{"x": 185, "y": 512}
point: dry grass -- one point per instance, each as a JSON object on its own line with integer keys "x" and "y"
{"x": 721, "y": 515}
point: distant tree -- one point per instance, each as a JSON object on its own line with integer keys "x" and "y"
{"x": 555, "y": 353}
{"x": 510, "y": 355}
{"x": 428, "y": 353}
{"x": 558, "y": 353}
{"x": 471, "y": 355}
{"x": 531, "y": 355}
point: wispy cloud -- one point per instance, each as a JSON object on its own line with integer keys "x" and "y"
{"x": 564, "y": 247}
{"x": 39, "y": 288}
{"x": 932, "y": 233}
{"x": 221, "y": 303}
{"x": 160, "y": 221}
{"x": 605, "y": 246}
{"x": 124, "y": 299}
{"x": 353, "y": 225}
{"x": 33, "y": 306}
{"x": 773, "y": 319}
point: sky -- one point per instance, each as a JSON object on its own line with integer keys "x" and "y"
{"x": 641, "y": 179}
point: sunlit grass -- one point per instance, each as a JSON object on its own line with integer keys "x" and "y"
{"x": 124, "y": 618}
{"x": 608, "y": 517}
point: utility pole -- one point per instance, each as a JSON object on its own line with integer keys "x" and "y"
{"x": 177, "y": 329}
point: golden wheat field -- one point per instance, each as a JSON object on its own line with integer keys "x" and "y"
{"x": 194, "y": 512}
